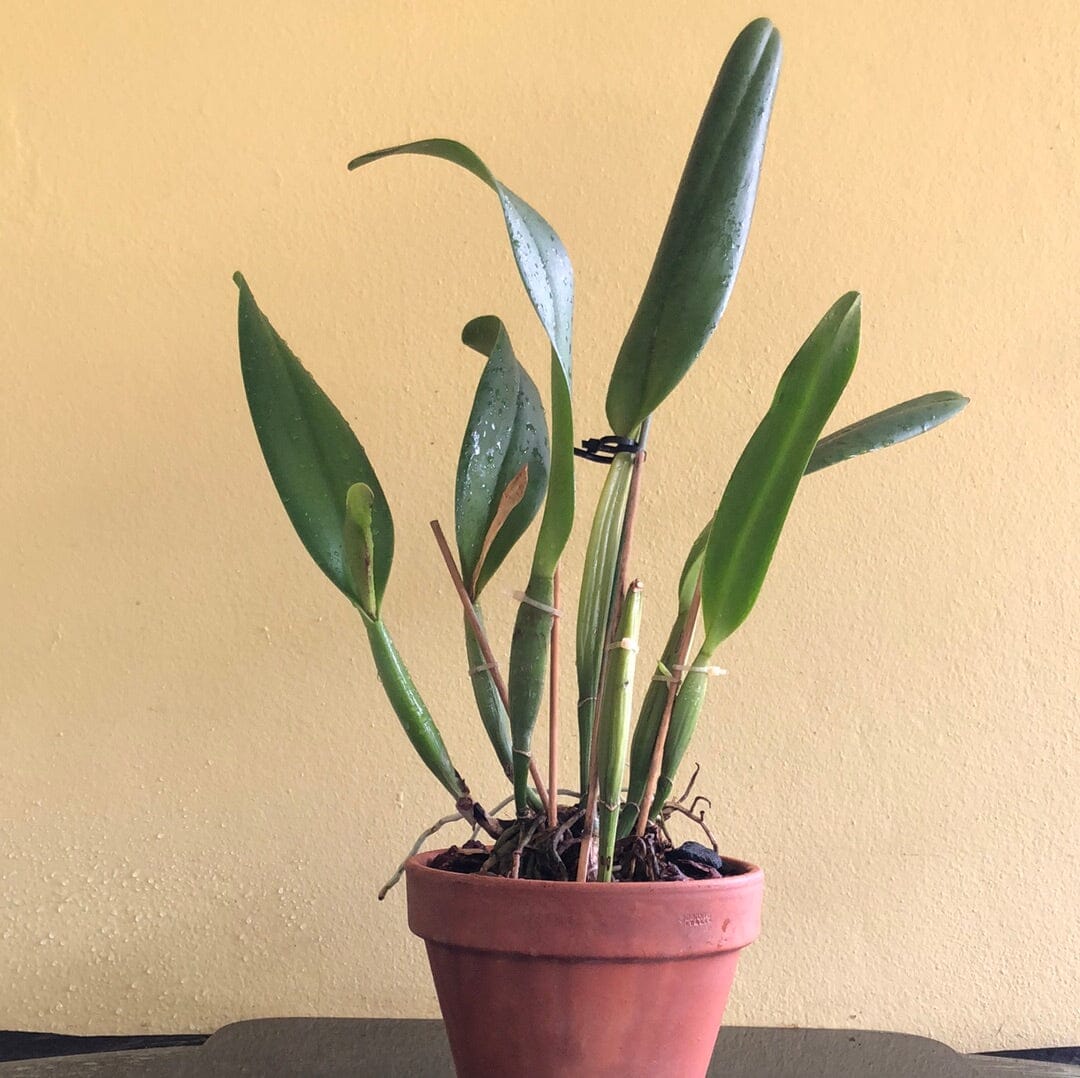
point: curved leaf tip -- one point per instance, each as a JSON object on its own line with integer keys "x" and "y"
{"x": 481, "y": 334}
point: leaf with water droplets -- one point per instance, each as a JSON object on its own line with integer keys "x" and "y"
{"x": 889, "y": 427}
{"x": 548, "y": 277}
{"x": 702, "y": 245}
{"x": 505, "y": 443}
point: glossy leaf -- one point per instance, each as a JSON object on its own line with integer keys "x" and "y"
{"x": 506, "y": 434}
{"x": 558, "y": 519}
{"x": 893, "y": 425}
{"x": 703, "y": 241}
{"x": 548, "y": 277}
{"x": 313, "y": 455}
{"x": 759, "y": 493}
{"x": 541, "y": 258}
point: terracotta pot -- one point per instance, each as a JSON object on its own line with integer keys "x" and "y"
{"x": 547, "y": 979}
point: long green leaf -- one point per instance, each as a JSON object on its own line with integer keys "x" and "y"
{"x": 313, "y": 455}
{"x": 759, "y": 493}
{"x": 548, "y": 277}
{"x": 505, "y": 433}
{"x": 541, "y": 258}
{"x": 702, "y": 245}
{"x": 893, "y": 425}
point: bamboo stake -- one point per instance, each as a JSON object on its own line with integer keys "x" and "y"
{"x": 618, "y": 591}
{"x": 682, "y": 652}
{"x": 553, "y": 710}
{"x": 481, "y": 639}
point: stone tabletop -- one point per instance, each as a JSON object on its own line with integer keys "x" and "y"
{"x": 416, "y": 1048}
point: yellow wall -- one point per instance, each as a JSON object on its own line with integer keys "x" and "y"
{"x": 200, "y": 787}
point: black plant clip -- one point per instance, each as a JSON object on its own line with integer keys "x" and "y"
{"x": 605, "y": 450}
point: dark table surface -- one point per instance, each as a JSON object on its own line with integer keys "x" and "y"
{"x": 416, "y": 1048}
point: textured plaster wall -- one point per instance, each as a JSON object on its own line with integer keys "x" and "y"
{"x": 200, "y": 787}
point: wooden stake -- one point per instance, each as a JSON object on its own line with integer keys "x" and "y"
{"x": 481, "y": 639}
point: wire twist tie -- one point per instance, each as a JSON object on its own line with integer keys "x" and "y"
{"x": 605, "y": 450}
{"x": 530, "y": 601}
{"x": 625, "y": 643}
{"x": 474, "y": 670}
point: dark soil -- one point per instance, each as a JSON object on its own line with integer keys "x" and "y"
{"x": 531, "y": 850}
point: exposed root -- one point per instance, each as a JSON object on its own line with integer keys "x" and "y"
{"x": 424, "y": 836}
{"x": 699, "y": 819}
{"x": 679, "y": 806}
{"x": 433, "y": 829}
{"x": 689, "y": 787}
{"x": 529, "y": 848}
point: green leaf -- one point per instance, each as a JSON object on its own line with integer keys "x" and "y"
{"x": 313, "y": 456}
{"x": 548, "y": 277}
{"x": 702, "y": 245}
{"x": 893, "y": 425}
{"x": 541, "y": 258}
{"x": 759, "y": 493}
{"x": 506, "y": 432}
{"x": 558, "y": 519}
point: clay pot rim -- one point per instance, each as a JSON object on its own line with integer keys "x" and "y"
{"x": 617, "y": 921}
{"x": 752, "y": 877}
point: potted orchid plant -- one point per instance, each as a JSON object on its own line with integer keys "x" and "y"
{"x": 600, "y": 860}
